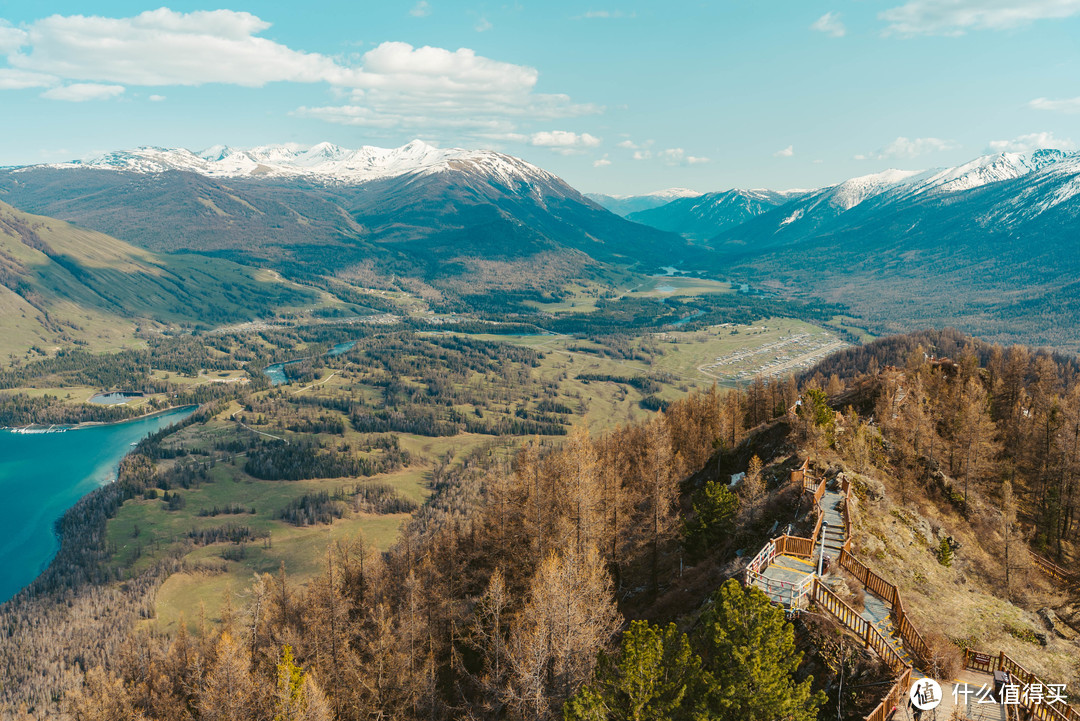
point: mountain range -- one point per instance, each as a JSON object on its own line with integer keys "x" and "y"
{"x": 451, "y": 218}
{"x": 989, "y": 245}
{"x": 703, "y": 216}
{"x": 624, "y": 205}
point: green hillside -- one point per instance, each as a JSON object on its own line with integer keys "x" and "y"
{"x": 63, "y": 284}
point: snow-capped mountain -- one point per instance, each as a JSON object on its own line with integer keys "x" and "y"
{"x": 1027, "y": 183}
{"x": 324, "y": 162}
{"x": 420, "y": 210}
{"x": 989, "y": 246}
{"x": 626, "y": 204}
{"x": 701, "y": 217}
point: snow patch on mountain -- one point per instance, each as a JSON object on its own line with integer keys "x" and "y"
{"x": 854, "y": 191}
{"x": 324, "y": 162}
{"x": 667, "y": 194}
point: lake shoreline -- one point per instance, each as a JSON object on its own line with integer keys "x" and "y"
{"x": 32, "y": 429}
{"x": 77, "y": 529}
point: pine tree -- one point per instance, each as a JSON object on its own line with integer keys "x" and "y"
{"x": 714, "y": 517}
{"x": 752, "y": 489}
{"x": 289, "y": 701}
{"x": 655, "y": 676}
{"x": 749, "y": 651}
{"x": 570, "y": 614}
{"x": 945, "y": 553}
{"x": 976, "y": 434}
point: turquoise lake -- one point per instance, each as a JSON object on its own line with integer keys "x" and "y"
{"x": 44, "y": 474}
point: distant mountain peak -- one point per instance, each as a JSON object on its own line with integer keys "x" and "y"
{"x": 667, "y": 194}
{"x": 323, "y": 162}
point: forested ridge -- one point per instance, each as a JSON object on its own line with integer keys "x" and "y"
{"x": 557, "y": 582}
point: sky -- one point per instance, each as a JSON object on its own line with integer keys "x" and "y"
{"x": 617, "y": 97}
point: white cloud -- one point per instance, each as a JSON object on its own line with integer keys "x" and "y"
{"x": 1066, "y": 105}
{"x": 421, "y": 9}
{"x": 1030, "y": 142}
{"x": 394, "y": 84}
{"x": 601, "y": 162}
{"x": 81, "y": 92}
{"x": 398, "y": 84}
{"x": 678, "y": 156}
{"x": 642, "y": 154}
{"x": 564, "y": 141}
{"x": 157, "y": 98}
{"x": 909, "y": 148}
{"x": 830, "y": 24}
{"x": 11, "y": 38}
{"x": 785, "y": 152}
{"x": 483, "y": 25}
{"x": 163, "y": 47}
{"x": 955, "y": 17}
{"x": 21, "y": 79}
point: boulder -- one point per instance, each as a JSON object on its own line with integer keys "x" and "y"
{"x": 1055, "y": 624}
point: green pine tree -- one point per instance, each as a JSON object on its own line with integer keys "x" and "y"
{"x": 749, "y": 652}
{"x": 655, "y": 676}
{"x": 945, "y": 553}
{"x": 714, "y": 517}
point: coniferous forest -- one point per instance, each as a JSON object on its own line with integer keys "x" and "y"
{"x": 594, "y": 577}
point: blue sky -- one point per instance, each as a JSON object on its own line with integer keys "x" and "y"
{"x": 617, "y": 97}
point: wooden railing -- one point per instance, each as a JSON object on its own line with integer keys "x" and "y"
{"x": 894, "y": 698}
{"x": 913, "y": 640}
{"x": 862, "y": 628}
{"x": 988, "y": 663}
{"x": 819, "y": 492}
{"x": 795, "y": 546}
{"x": 858, "y": 625}
{"x": 799, "y": 475}
{"x": 1051, "y": 569}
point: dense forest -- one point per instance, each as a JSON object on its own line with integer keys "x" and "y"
{"x": 566, "y": 579}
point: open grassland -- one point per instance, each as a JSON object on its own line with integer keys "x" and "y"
{"x": 582, "y": 297}
{"x": 192, "y": 594}
{"x": 674, "y": 285}
{"x": 727, "y": 355}
{"x": 598, "y": 384}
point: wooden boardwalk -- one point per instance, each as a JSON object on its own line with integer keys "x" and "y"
{"x": 786, "y": 571}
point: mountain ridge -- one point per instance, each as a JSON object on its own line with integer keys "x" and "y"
{"x": 322, "y": 162}
{"x": 704, "y": 216}
{"x": 62, "y": 284}
{"x": 626, "y": 204}
{"x": 447, "y": 217}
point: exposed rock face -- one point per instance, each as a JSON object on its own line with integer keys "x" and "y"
{"x": 1055, "y": 624}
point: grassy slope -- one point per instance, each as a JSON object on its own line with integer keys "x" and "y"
{"x": 966, "y": 602}
{"x": 63, "y": 284}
